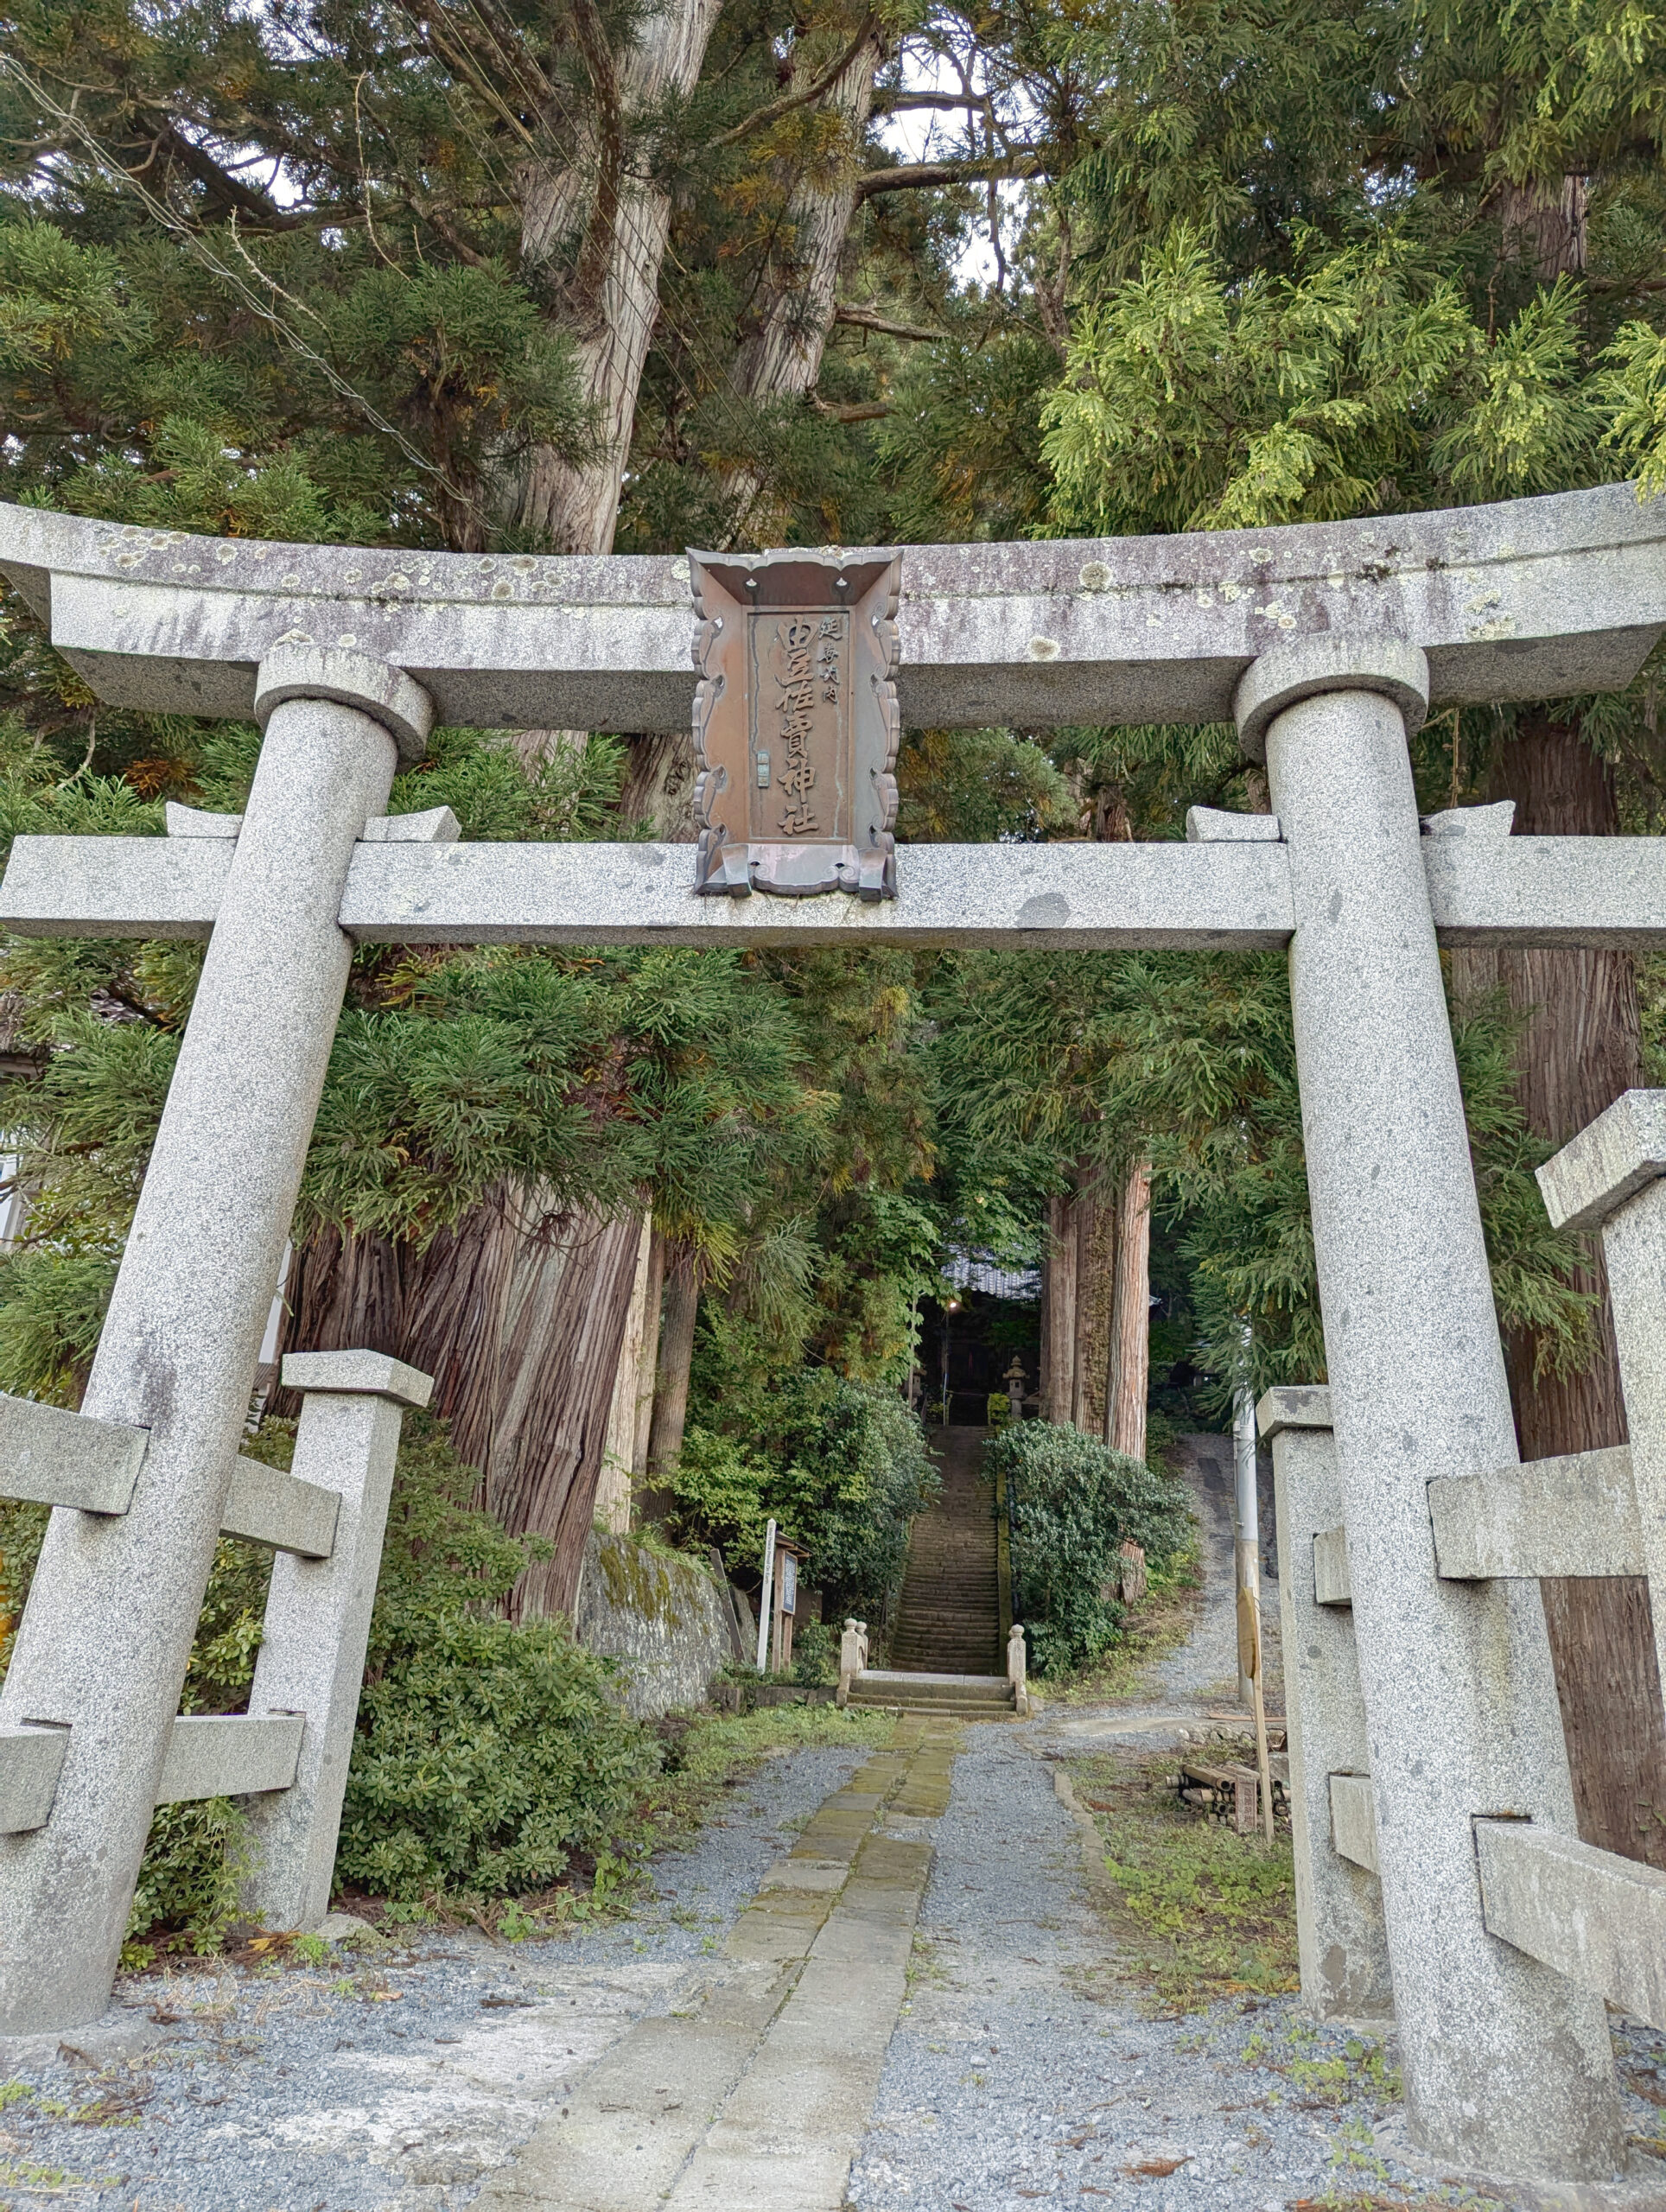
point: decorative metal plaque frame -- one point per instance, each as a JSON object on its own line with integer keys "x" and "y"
{"x": 796, "y": 722}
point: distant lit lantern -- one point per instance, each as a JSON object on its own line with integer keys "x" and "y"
{"x": 796, "y": 722}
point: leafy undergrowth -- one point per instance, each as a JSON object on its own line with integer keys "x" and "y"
{"x": 1203, "y": 1913}
{"x": 1158, "y": 1626}
{"x": 718, "y": 1751}
{"x": 705, "y": 1756}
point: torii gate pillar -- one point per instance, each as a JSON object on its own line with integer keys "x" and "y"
{"x": 178, "y": 1351}
{"x": 1460, "y": 1698}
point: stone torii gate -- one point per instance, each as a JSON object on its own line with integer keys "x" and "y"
{"x": 1327, "y": 645}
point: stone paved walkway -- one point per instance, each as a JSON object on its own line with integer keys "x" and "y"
{"x": 753, "y": 2095}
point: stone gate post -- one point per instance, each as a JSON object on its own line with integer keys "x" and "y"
{"x": 1508, "y": 2067}
{"x": 108, "y": 1627}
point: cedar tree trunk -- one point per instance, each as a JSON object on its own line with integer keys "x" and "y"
{"x": 519, "y": 1317}
{"x": 1130, "y": 1316}
{"x": 614, "y": 204}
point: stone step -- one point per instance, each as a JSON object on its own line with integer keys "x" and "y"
{"x": 880, "y": 1683}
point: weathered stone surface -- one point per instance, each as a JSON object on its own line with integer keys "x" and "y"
{"x": 1460, "y": 1698}
{"x": 272, "y": 1508}
{"x": 662, "y": 1619}
{"x": 31, "y": 1760}
{"x": 1353, "y": 1821}
{"x": 312, "y": 1656}
{"x": 229, "y": 1755}
{"x": 1332, "y": 1583}
{"x": 1215, "y": 825}
{"x": 294, "y": 668}
{"x": 1326, "y": 666}
{"x": 1588, "y": 1914}
{"x": 1340, "y": 1941}
{"x": 1552, "y": 891}
{"x": 1572, "y": 1516}
{"x": 55, "y": 1457}
{"x": 1619, "y": 1154}
{"x": 1605, "y": 892}
{"x": 1108, "y": 630}
{"x": 358, "y": 1374}
{"x": 177, "y": 1356}
{"x": 435, "y": 825}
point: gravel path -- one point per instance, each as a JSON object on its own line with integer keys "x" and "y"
{"x": 1024, "y": 2067}
{"x": 395, "y": 2078}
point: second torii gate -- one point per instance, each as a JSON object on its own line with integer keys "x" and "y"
{"x": 1326, "y": 643}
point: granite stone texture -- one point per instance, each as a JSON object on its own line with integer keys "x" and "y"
{"x": 317, "y": 1624}
{"x": 1507, "y": 2065}
{"x": 1214, "y": 890}
{"x": 1343, "y": 1950}
{"x": 1527, "y": 600}
{"x": 177, "y": 1356}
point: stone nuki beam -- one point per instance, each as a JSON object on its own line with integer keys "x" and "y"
{"x": 229, "y": 1755}
{"x": 1597, "y": 1918}
{"x": 31, "y": 1759}
{"x": 1576, "y": 1516}
{"x": 1560, "y": 891}
{"x": 1533, "y": 599}
{"x": 270, "y": 1506}
{"x": 1353, "y": 1820}
{"x": 53, "y": 1458}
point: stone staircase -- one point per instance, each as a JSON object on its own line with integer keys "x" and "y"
{"x": 946, "y": 1653}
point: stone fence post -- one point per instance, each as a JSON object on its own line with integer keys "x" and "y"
{"x": 103, "y": 1646}
{"x": 1017, "y": 1670}
{"x": 1508, "y": 2067}
{"x": 1339, "y": 1935}
{"x": 312, "y": 1658}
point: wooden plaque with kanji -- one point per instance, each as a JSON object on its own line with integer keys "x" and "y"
{"x": 796, "y": 723}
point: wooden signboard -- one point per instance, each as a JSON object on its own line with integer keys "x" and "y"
{"x": 796, "y": 722}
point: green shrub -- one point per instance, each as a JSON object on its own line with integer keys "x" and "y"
{"x": 1073, "y": 1503}
{"x": 488, "y": 1756}
{"x": 841, "y": 1466}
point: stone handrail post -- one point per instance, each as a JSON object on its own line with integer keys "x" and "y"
{"x": 1460, "y": 1701}
{"x": 853, "y": 1656}
{"x": 1017, "y": 1670}
{"x": 177, "y": 1355}
{"x": 1339, "y": 1933}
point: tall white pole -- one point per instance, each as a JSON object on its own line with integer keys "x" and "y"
{"x": 1246, "y": 1549}
{"x": 767, "y": 1598}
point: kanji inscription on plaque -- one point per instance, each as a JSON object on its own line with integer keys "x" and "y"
{"x": 796, "y": 722}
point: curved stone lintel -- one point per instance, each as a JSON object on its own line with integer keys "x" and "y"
{"x": 1527, "y": 599}
{"x": 386, "y": 694}
{"x": 1307, "y": 668}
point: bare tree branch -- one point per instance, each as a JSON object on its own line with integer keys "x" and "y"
{"x": 922, "y": 176}
{"x": 866, "y": 319}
